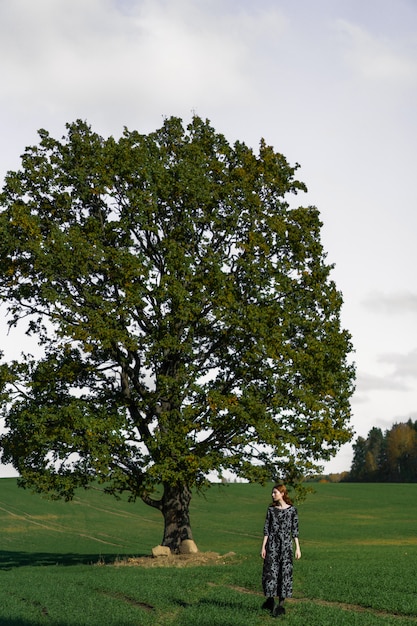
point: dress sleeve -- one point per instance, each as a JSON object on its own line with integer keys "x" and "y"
{"x": 294, "y": 523}
{"x": 267, "y": 523}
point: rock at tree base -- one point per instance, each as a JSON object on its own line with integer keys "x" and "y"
{"x": 158, "y": 551}
{"x": 188, "y": 546}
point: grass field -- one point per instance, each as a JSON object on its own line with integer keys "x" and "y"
{"x": 66, "y": 564}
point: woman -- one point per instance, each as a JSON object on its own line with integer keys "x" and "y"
{"x": 281, "y": 527}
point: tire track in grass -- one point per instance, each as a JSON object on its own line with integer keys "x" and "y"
{"x": 59, "y": 528}
{"x": 344, "y": 606}
{"x": 112, "y": 511}
{"x": 127, "y": 599}
{"x": 357, "y": 608}
{"x": 35, "y": 603}
{"x": 22, "y": 515}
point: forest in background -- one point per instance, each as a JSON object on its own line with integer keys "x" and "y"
{"x": 389, "y": 456}
{"x": 386, "y": 457}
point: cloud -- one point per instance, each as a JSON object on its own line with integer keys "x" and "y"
{"x": 375, "y": 58}
{"x": 370, "y": 382}
{"x": 405, "y": 365}
{"x": 394, "y": 303}
{"x": 131, "y": 54}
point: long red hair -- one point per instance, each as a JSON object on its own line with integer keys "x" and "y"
{"x": 282, "y": 489}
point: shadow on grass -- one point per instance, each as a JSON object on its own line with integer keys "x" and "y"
{"x": 9, "y": 560}
{"x": 23, "y": 622}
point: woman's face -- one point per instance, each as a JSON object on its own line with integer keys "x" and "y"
{"x": 277, "y": 495}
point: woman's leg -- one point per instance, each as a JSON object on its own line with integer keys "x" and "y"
{"x": 279, "y": 608}
{"x": 268, "y": 604}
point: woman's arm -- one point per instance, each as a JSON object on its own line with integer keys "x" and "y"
{"x": 297, "y": 548}
{"x": 266, "y": 533}
{"x": 294, "y": 532}
{"x": 263, "y": 549}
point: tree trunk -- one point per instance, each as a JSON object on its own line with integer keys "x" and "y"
{"x": 175, "y": 507}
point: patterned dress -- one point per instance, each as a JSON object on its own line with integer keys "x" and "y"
{"x": 281, "y": 526}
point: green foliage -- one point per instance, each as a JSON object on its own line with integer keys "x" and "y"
{"x": 386, "y": 457}
{"x": 186, "y": 314}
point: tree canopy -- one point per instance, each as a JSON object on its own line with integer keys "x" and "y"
{"x": 186, "y": 314}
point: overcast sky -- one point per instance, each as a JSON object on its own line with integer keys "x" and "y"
{"x": 332, "y": 84}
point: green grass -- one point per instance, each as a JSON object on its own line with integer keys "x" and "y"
{"x": 59, "y": 561}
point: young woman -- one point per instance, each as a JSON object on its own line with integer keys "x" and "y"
{"x": 280, "y": 530}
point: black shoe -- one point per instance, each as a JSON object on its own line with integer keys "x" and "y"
{"x": 268, "y": 605}
{"x": 278, "y": 610}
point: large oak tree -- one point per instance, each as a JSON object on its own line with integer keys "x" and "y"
{"x": 186, "y": 315}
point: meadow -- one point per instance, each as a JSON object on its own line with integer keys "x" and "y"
{"x": 87, "y": 562}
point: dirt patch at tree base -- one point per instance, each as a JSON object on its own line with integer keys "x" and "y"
{"x": 178, "y": 560}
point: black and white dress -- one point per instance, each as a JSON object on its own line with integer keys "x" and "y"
{"x": 281, "y": 526}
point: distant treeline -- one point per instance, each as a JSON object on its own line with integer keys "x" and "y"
{"x": 386, "y": 457}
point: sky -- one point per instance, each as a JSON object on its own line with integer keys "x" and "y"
{"x": 331, "y": 84}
